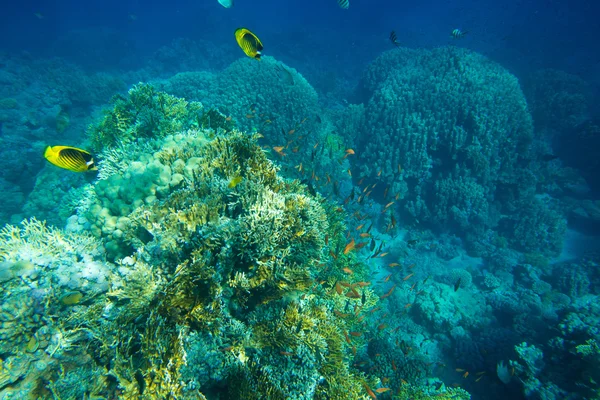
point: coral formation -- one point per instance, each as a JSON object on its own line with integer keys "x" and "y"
{"x": 438, "y": 137}
{"x": 217, "y": 260}
{"x": 558, "y": 101}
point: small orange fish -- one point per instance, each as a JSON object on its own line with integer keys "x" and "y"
{"x": 394, "y": 366}
{"x": 349, "y": 151}
{"x": 369, "y": 391}
{"x": 360, "y": 245}
{"x": 387, "y": 278}
{"x": 362, "y": 284}
{"x": 291, "y": 132}
{"x": 365, "y": 235}
{"x": 348, "y": 271}
{"x": 466, "y": 374}
{"x": 392, "y": 265}
{"x": 249, "y": 116}
{"x": 408, "y": 305}
{"x": 332, "y": 254}
{"x": 382, "y": 326}
{"x": 347, "y": 338}
{"x": 286, "y": 353}
{"x": 228, "y": 118}
{"x": 388, "y": 294}
{"x": 358, "y": 228}
{"x": 413, "y": 286}
{"x": 382, "y": 390}
{"x": 403, "y": 382}
{"x": 459, "y": 370}
{"x": 354, "y": 350}
{"x": 279, "y": 150}
{"x": 355, "y": 334}
{"x": 385, "y": 380}
{"x": 407, "y": 277}
{"x": 349, "y": 247}
{"x": 228, "y": 348}
{"x": 379, "y": 173}
{"x": 375, "y": 310}
{"x": 349, "y": 173}
{"x": 383, "y": 254}
{"x": 340, "y": 314}
{"x": 388, "y": 205}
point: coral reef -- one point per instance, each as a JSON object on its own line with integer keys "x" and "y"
{"x": 438, "y": 138}
{"x": 558, "y": 101}
{"x": 226, "y": 279}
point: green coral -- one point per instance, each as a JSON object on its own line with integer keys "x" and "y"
{"x": 147, "y": 113}
{"x": 410, "y": 392}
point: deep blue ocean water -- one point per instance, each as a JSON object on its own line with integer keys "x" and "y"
{"x": 532, "y": 265}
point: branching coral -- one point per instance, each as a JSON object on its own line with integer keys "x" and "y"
{"x": 147, "y": 113}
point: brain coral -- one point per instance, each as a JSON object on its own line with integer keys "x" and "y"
{"x": 446, "y": 128}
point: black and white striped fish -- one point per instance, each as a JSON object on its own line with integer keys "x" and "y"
{"x": 394, "y": 39}
{"x": 458, "y": 34}
{"x": 344, "y": 4}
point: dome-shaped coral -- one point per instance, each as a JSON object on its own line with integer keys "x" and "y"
{"x": 445, "y": 128}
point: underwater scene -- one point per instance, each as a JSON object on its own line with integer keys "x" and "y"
{"x": 317, "y": 199}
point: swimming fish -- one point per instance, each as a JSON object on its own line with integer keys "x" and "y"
{"x": 457, "y": 284}
{"x": 394, "y": 39}
{"x": 226, "y": 3}
{"x": 70, "y": 158}
{"x": 234, "y": 181}
{"x": 344, "y": 4}
{"x": 249, "y": 43}
{"x": 458, "y": 34}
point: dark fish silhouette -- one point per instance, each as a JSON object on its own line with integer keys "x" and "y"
{"x": 394, "y": 39}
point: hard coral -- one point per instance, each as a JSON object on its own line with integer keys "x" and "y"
{"x": 146, "y": 113}
{"x": 210, "y": 240}
{"x": 435, "y": 133}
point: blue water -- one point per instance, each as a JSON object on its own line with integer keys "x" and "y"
{"x": 508, "y": 260}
